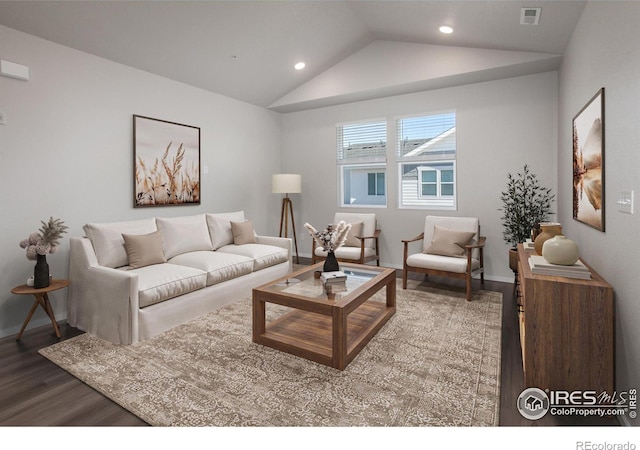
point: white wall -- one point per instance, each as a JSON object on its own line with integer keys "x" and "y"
{"x": 604, "y": 52}
{"x": 500, "y": 126}
{"x": 66, "y": 151}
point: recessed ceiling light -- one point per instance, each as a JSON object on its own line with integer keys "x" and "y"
{"x": 446, "y": 29}
{"x": 299, "y": 66}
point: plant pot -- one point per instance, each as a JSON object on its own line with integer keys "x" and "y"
{"x": 513, "y": 260}
{"x": 549, "y": 230}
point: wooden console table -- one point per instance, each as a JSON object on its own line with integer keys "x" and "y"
{"x": 42, "y": 299}
{"x": 566, "y": 330}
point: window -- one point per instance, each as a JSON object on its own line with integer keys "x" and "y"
{"x": 376, "y": 183}
{"x": 362, "y": 158}
{"x": 426, "y": 158}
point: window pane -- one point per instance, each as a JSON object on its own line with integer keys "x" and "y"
{"x": 446, "y": 176}
{"x": 371, "y": 184}
{"x": 421, "y": 185}
{"x": 362, "y": 141}
{"x": 359, "y": 184}
{"x": 446, "y": 189}
{"x": 380, "y": 184}
{"x": 425, "y": 136}
{"x": 429, "y": 189}
{"x": 429, "y": 176}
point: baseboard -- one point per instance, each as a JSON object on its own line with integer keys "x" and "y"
{"x": 33, "y": 323}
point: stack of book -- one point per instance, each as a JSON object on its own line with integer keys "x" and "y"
{"x": 334, "y": 281}
{"x": 541, "y": 266}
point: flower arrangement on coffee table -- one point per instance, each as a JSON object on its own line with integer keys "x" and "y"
{"x": 330, "y": 239}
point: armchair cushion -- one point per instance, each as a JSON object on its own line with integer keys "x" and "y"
{"x": 446, "y": 242}
{"x": 443, "y": 263}
{"x": 452, "y": 223}
{"x": 356, "y": 230}
{"x": 352, "y": 253}
{"x": 368, "y": 225}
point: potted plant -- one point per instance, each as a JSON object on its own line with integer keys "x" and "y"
{"x": 525, "y": 204}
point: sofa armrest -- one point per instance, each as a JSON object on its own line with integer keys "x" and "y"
{"x": 101, "y": 301}
{"x": 286, "y": 243}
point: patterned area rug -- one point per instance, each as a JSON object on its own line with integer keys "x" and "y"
{"x": 435, "y": 363}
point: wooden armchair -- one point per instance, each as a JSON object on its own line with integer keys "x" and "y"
{"x": 451, "y": 234}
{"x": 361, "y": 245}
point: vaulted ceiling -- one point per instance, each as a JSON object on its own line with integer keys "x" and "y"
{"x": 353, "y": 50}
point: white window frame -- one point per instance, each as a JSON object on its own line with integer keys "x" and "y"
{"x": 438, "y": 202}
{"x": 377, "y": 164}
{"x": 438, "y": 183}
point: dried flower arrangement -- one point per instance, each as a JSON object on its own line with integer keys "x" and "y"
{"x": 46, "y": 241}
{"x": 332, "y": 237}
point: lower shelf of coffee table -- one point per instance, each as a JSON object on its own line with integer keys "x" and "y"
{"x": 310, "y": 335}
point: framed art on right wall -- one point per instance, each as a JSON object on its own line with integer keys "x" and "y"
{"x": 588, "y": 163}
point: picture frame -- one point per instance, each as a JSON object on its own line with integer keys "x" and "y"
{"x": 166, "y": 163}
{"x": 588, "y": 163}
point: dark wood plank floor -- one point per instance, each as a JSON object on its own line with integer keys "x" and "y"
{"x": 36, "y": 392}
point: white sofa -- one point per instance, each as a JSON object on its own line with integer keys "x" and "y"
{"x": 205, "y": 269}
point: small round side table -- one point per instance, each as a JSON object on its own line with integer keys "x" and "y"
{"x": 42, "y": 299}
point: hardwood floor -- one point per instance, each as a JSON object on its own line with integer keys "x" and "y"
{"x": 36, "y": 392}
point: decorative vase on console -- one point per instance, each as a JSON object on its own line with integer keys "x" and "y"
{"x": 549, "y": 230}
{"x": 560, "y": 250}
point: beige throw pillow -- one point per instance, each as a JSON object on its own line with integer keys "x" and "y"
{"x": 446, "y": 242}
{"x": 144, "y": 249}
{"x": 243, "y": 233}
{"x": 356, "y": 230}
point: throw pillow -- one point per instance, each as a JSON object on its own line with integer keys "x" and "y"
{"x": 356, "y": 230}
{"x": 144, "y": 249}
{"x": 243, "y": 233}
{"x": 448, "y": 242}
{"x": 220, "y": 227}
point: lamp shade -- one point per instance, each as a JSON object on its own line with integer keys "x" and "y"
{"x": 286, "y": 183}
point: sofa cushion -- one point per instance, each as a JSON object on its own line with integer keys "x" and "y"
{"x": 160, "y": 282}
{"x": 184, "y": 234}
{"x": 108, "y": 242}
{"x": 144, "y": 249}
{"x": 243, "y": 232}
{"x": 446, "y": 242}
{"x": 218, "y": 266}
{"x": 220, "y": 227}
{"x": 262, "y": 255}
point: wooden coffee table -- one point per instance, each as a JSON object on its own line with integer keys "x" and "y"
{"x": 330, "y": 329}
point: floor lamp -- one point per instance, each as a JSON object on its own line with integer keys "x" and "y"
{"x": 286, "y": 183}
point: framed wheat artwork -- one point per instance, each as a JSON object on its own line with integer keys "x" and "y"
{"x": 588, "y": 163}
{"x": 166, "y": 166}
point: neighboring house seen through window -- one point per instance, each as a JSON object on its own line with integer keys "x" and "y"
{"x": 362, "y": 159}
{"x": 426, "y": 158}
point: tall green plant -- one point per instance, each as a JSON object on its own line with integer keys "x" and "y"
{"x": 525, "y": 204}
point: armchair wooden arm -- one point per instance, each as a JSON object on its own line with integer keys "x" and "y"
{"x": 479, "y": 244}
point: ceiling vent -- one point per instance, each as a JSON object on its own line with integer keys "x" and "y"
{"x": 530, "y": 16}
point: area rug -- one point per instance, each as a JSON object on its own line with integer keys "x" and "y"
{"x": 435, "y": 363}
